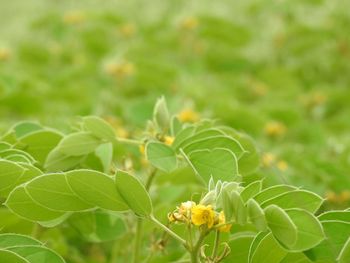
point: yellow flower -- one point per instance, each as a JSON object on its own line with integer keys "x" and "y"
{"x": 282, "y": 166}
{"x": 142, "y": 149}
{"x": 222, "y": 220}
{"x": 168, "y": 140}
{"x": 188, "y": 115}
{"x": 189, "y": 23}
{"x": 275, "y": 129}
{"x": 201, "y": 214}
{"x": 5, "y": 54}
{"x": 268, "y": 159}
{"x": 121, "y": 69}
{"x": 74, "y": 17}
{"x": 331, "y": 196}
{"x": 345, "y": 195}
{"x": 127, "y": 30}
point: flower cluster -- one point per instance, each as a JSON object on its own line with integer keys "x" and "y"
{"x": 200, "y": 215}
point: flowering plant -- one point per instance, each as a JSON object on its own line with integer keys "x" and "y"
{"x": 94, "y": 186}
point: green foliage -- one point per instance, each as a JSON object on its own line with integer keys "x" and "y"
{"x": 18, "y": 248}
{"x": 93, "y": 186}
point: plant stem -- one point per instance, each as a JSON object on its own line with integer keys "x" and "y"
{"x": 138, "y": 239}
{"x": 169, "y": 231}
{"x": 216, "y": 244}
{"x": 195, "y": 251}
{"x": 139, "y": 224}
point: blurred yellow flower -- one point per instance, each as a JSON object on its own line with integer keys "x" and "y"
{"x": 275, "y": 129}
{"x": 122, "y": 132}
{"x": 121, "y": 69}
{"x": 282, "y": 165}
{"x": 189, "y": 23}
{"x": 127, "y": 30}
{"x": 73, "y": 17}
{"x": 201, "y": 214}
{"x": 5, "y": 54}
{"x": 142, "y": 149}
{"x": 268, "y": 159}
{"x": 345, "y": 196}
{"x": 222, "y": 220}
{"x": 168, "y": 140}
{"x": 331, "y": 196}
{"x": 188, "y": 115}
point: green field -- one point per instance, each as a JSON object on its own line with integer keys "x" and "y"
{"x": 275, "y": 72}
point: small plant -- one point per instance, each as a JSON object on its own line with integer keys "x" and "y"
{"x": 179, "y": 192}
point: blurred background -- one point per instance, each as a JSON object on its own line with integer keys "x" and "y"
{"x": 275, "y": 69}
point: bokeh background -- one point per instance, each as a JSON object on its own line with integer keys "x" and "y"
{"x": 275, "y": 69}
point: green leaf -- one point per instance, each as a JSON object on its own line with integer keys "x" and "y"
{"x": 10, "y": 240}
{"x": 37, "y": 254}
{"x": 296, "y": 199}
{"x": 23, "y": 205}
{"x": 25, "y": 127}
{"x": 309, "y": 230}
{"x": 221, "y": 164}
{"x": 200, "y": 136}
{"x": 30, "y": 172}
{"x": 183, "y": 135}
{"x": 296, "y": 258}
{"x": 105, "y": 153}
{"x": 57, "y": 161}
{"x": 226, "y": 204}
{"x": 176, "y": 126}
{"x": 99, "y": 128}
{"x": 281, "y": 225}
{"x": 53, "y": 192}
{"x": 96, "y": 188}
{"x": 256, "y": 215}
{"x": 4, "y": 146}
{"x": 134, "y": 194}
{"x": 39, "y": 143}
{"x": 249, "y": 162}
{"x": 337, "y": 233}
{"x": 161, "y": 114}
{"x": 10, "y": 152}
{"x": 251, "y": 190}
{"x": 335, "y": 215}
{"x": 268, "y": 251}
{"x": 77, "y": 144}
{"x": 10, "y": 173}
{"x": 257, "y": 239}
{"x": 98, "y": 226}
{"x": 161, "y": 156}
{"x": 17, "y": 158}
{"x": 239, "y": 210}
{"x": 272, "y": 191}
{"x": 11, "y": 257}
{"x": 211, "y": 143}
{"x": 344, "y": 255}
{"x": 239, "y": 249}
